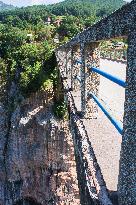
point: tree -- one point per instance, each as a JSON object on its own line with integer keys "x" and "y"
{"x": 69, "y": 27}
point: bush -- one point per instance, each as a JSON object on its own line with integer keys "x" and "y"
{"x": 60, "y": 109}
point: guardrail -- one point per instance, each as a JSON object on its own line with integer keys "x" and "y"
{"x": 93, "y": 190}
{"x": 115, "y": 54}
{"x": 78, "y": 78}
{"x": 116, "y": 123}
{"x": 112, "y": 78}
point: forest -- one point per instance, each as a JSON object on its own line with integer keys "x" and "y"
{"x": 29, "y": 35}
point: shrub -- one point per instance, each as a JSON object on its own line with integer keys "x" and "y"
{"x": 60, "y": 109}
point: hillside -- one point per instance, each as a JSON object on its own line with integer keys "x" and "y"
{"x": 78, "y": 8}
{"x": 84, "y": 8}
{"x": 4, "y": 6}
{"x": 74, "y": 15}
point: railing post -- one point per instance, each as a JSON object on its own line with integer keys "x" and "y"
{"x": 75, "y": 68}
{"x": 66, "y": 62}
{"x": 127, "y": 173}
{"x": 92, "y": 54}
{"x": 69, "y": 53}
{"x": 82, "y": 74}
{"x": 72, "y": 68}
{"x": 61, "y": 59}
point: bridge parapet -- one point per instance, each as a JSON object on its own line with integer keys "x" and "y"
{"x": 121, "y": 23}
{"x": 119, "y": 55}
{"x": 93, "y": 190}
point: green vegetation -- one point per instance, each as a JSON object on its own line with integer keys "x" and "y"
{"x": 85, "y": 8}
{"x": 28, "y": 37}
{"x": 60, "y": 109}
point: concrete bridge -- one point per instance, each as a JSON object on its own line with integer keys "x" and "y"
{"x": 104, "y": 137}
{"x": 100, "y": 164}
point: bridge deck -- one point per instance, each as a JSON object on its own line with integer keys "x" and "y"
{"x": 105, "y": 139}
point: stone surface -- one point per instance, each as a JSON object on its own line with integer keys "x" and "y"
{"x": 127, "y": 175}
{"x": 92, "y": 187}
{"x": 92, "y": 58}
{"x": 38, "y": 165}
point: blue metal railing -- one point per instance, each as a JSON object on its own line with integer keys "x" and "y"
{"x": 114, "y": 79}
{"x": 118, "y": 81}
{"x": 116, "y": 123}
{"x": 78, "y": 61}
{"x": 78, "y": 78}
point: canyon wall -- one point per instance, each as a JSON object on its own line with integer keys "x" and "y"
{"x": 37, "y": 164}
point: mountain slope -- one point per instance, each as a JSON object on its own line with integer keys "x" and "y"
{"x": 4, "y": 6}
{"x": 72, "y": 16}
{"x": 85, "y": 7}
{"x": 78, "y": 8}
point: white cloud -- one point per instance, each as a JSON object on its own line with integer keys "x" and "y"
{"x": 30, "y": 2}
{"x": 44, "y": 1}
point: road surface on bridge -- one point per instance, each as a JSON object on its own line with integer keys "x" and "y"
{"x": 105, "y": 139}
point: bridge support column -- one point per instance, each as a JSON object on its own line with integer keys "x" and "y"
{"x": 72, "y": 69}
{"x": 61, "y": 56}
{"x": 75, "y": 68}
{"x": 82, "y": 74}
{"x": 127, "y": 173}
{"x": 68, "y": 60}
{"x": 92, "y": 55}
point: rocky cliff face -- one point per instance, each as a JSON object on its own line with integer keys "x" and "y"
{"x": 37, "y": 164}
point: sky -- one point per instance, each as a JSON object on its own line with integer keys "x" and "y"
{"x": 29, "y": 2}
{"x": 32, "y": 2}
